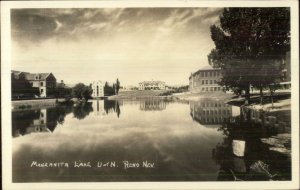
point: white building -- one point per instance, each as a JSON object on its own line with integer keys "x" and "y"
{"x": 98, "y": 89}
{"x": 152, "y": 85}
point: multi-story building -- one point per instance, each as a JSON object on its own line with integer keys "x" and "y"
{"x": 205, "y": 80}
{"x": 152, "y": 85}
{"x": 98, "y": 89}
{"x": 43, "y": 81}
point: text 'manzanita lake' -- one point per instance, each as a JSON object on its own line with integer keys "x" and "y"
{"x": 140, "y": 140}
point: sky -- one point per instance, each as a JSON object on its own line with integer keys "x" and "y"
{"x": 131, "y": 44}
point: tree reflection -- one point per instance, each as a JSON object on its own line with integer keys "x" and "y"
{"x": 41, "y": 120}
{"x": 82, "y": 110}
{"x": 258, "y": 162}
{"x": 112, "y": 106}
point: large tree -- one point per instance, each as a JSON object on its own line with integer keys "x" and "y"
{"x": 82, "y": 91}
{"x": 249, "y": 45}
{"x": 117, "y": 86}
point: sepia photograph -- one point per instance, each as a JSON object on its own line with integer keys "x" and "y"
{"x": 134, "y": 93}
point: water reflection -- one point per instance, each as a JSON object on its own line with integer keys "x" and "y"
{"x": 243, "y": 156}
{"x": 46, "y": 120}
{"x": 111, "y": 106}
{"x": 210, "y": 112}
{"x": 152, "y": 105}
{"x": 42, "y": 120}
{"x": 182, "y": 149}
{"x": 270, "y": 120}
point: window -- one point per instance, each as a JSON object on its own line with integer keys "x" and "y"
{"x": 205, "y": 74}
{"x": 202, "y": 81}
{"x": 42, "y": 84}
{"x": 210, "y": 81}
{"x": 202, "y": 74}
{"x": 206, "y": 81}
{"x": 42, "y": 90}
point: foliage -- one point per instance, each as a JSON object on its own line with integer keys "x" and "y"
{"x": 60, "y": 91}
{"x": 81, "y": 91}
{"x": 108, "y": 90}
{"x": 117, "y": 86}
{"x": 249, "y": 45}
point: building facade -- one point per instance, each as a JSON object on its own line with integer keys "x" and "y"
{"x": 152, "y": 85}
{"x": 205, "y": 80}
{"x": 98, "y": 89}
{"x": 45, "y": 82}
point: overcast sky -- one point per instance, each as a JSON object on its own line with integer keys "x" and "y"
{"x": 132, "y": 44}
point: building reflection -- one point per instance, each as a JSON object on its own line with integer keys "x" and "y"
{"x": 36, "y": 121}
{"x": 105, "y": 107}
{"x": 152, "y": 105}
{"x": 210, "y": 112}
{"x": 280, "y": 124}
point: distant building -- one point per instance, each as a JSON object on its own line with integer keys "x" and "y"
{"x": 152, "y": 85}
{"x": 43, "y": 81}
{"x": 98, "y": 89}
{"x": 205, "y": 80}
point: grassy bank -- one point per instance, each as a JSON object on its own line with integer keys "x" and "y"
{"x": 139, "y": 94}
{"x": 34, "y": 104}
{"x": 198, "y": 96}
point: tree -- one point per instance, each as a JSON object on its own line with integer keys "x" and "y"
{"x": 117, "y": 86}
{"x": 82, "y": 91}
{"x": 248, "y": 43}
{"x": 108, "y": 90}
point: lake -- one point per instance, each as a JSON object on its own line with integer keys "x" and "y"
{"x": 141, "y": 140}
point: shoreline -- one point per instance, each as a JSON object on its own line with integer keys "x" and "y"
{"x": 20, "y": 105}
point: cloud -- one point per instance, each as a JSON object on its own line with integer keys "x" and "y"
{"x": 113, "y": 42}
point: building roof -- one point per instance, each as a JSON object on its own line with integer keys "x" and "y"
{"x": 151, "y": 82}
{"x": 206, "y": 68}
{"x": 31, "y": 76}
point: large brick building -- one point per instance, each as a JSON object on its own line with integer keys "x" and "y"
{"x": 205, "y": 80}
{"x": 43, "y": 81}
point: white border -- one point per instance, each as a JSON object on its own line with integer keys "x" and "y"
{"x": 6, "y": 101}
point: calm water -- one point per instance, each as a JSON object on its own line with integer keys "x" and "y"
{"x": 144, "y": 140}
